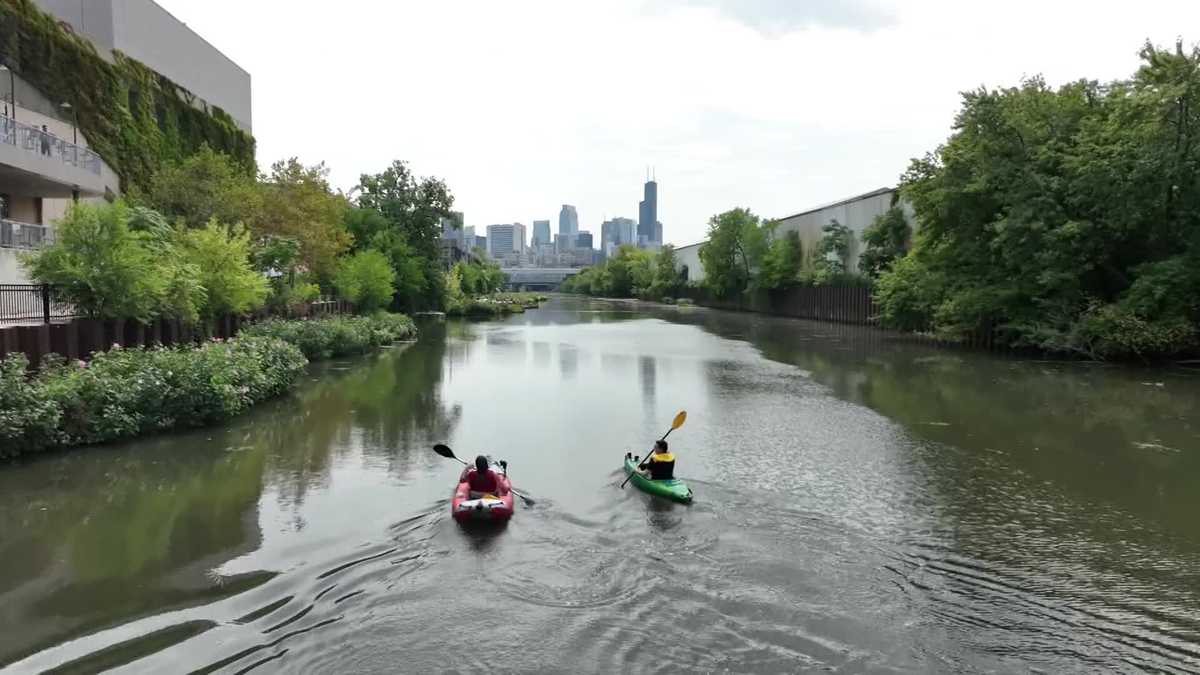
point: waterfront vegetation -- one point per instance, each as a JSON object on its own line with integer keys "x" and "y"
{"x": 122, "y": 393}
{"x": 337, "y": 335}
{"x": 630, "y": 273}
{"x": 1068, "y": 218}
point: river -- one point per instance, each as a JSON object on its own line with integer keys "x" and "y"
{"x": 863, "y": 503}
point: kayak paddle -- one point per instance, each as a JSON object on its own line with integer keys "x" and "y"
{"x": 675, "y": 424}
{"x": 445, "y": 451}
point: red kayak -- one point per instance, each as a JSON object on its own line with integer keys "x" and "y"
{"x": 469, "y": 506}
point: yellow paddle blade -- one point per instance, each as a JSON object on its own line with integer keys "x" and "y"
{"x": 679, "y": 419}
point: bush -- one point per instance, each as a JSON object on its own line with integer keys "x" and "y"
{"x": 126, "y": 392}
{"x": 336, "y": 336}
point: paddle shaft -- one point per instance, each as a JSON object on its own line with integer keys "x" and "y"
{"x": 643, "y": 462}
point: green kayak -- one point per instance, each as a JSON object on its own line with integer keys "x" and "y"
{"x": 674, "y": 489}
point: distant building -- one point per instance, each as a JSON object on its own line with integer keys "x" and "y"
{"x": 481, "y": 243}
{"x": 658, "y": 235}
{"x": 617, "y": 232}
{"x": 568, "y": 222}
{"x": 452, "y": 227}
{"x": 583, "y": 240}
{"x": 648, "y": 212}
{"x": 506, "y": 242}
{"x": 541, "y": 233}
{"x": 856, "y": 213}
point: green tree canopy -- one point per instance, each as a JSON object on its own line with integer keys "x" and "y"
{"x": 367, "y": 280}
{"x": 222, "y": 254}
{"x": 1067, "y": 218}
{"x": 733, "y": 251}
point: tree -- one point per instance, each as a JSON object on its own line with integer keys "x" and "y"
{"x": 884, "y": 241}
{"x": 667, "y": 279}
{"x": 222, "y": 254}
{"x": 833, "y": 251}
{"x": 204, "y": 186}
{"x": 298, "y": 204}
{"x": 733, "y": 251}
{"x": 413, "y": 208}
{"x": 1062, "y": 218}
{"x": 99, "y": 265}
{"x": 781, "y": 263}
{"x": 367, "y": 280}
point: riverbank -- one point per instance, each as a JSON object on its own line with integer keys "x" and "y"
{"x": 123, "y": 393}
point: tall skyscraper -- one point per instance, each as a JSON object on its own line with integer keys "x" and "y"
{"x": 541, "y": 233}
{"x": 568, "y": 221}
{"x": 648, "y": 211}
{"x": 583, "y": 240}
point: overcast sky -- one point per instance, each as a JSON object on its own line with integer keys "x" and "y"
{"x": 522, "y": 106}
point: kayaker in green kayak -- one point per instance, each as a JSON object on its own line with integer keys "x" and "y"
{"x": 661, "y": 464}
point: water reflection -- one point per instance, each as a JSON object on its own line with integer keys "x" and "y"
{"x": 103, "y": 535}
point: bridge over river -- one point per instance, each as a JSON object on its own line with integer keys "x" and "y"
{"x": 537, "y": 278}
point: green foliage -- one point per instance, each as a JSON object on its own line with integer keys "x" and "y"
{"x": 336, "y": 336}
{"x": 667, "y": 280}
{"x": 101, "y": 266}
{"x": 735, "y": 246}
{"x": 298, "y": 204}
{"x": 409, "y": 234}
{"x": 126, "y": 392}
{"x": 1058, "y": 215}
{"x": 832, "y": 252}
{"x": 203, "y": 186}
{"x": 367, "y": 280}
{"x": 885, "y": 241}
{"x": 780, "y": 267}
{"x": 222, "y": 254}
{"x": 136, "y": 119}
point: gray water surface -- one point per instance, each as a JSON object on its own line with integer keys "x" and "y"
{"x": 863, "y": 504}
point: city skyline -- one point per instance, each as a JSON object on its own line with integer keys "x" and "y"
{"x": 761, "y": 145}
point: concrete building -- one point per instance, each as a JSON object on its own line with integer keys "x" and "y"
{"x": 583, "y": 240}
{"x": 143, "y": 30}
{"x": 856, "y": 213}
{"x": 46, "y": 162}
{"x": 568, "y": 222}
{"x": 541, "y": 233}
{"x": 506, "y": 242}
{"x": 648, "y": 212}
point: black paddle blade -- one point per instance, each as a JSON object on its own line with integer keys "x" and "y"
{"x": 444, "y": 451}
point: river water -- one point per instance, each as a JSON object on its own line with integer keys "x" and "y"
{"x": 863, "y": 503}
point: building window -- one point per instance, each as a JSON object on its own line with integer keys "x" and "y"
{"x": 37, "y": 210}
{"x": 4, "y": 208}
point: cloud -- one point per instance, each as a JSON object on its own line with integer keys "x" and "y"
{"x": 779, "y": 17}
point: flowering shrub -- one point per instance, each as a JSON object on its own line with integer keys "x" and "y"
{"x": 337, "y": 336}
{"x": 125, "y": 392}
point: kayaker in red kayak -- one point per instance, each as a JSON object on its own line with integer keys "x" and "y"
{"x": 661, "y": 464}
{"x": 481, "y": 480}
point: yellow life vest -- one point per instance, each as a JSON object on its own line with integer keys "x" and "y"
{"x": 666, "y": 457}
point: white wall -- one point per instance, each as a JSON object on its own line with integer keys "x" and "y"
{"x": 690, "y": 256}
{"x": 856, "y": 213}
{"x": 11, "y": 271}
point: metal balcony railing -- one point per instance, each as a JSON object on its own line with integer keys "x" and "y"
{"x": 36, "y": 141}
{"x": 15, "y": 234}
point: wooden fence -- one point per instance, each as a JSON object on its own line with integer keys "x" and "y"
{"x": 837, "y": 304}
{"x": 79, "y": 338}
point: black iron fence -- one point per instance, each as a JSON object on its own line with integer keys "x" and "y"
{"x": 32, "y": 303}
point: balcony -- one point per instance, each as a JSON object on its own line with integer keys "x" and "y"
{"x": 15, "y": 234}
{"x": 41, "y": 164}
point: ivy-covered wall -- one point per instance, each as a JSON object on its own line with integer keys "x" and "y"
{"x": 133, "y": 117}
